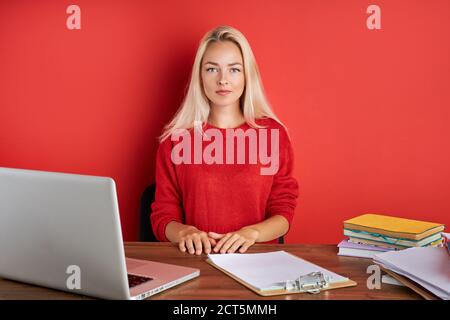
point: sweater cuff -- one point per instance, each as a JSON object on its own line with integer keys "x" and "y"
{"x": 287, "y": 213}
{"x": 161, "y": 229}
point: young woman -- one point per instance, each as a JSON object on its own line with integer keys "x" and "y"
{"x": 224, "y": 203}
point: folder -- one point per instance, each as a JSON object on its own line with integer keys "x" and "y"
{"x": 277, "y": 273}
{"x": 393, "y": 226}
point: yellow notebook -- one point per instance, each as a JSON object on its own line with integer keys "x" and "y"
{"x": 393, "y": 226}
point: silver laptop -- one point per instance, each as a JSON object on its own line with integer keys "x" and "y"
{"x": 63, "y": 231}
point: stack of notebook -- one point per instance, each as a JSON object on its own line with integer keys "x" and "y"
{"x": 371, "y": 234}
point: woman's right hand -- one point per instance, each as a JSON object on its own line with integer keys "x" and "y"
{"x": 195, "y": 241}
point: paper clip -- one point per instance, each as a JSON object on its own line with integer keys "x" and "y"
{"x": 312, "y": 282}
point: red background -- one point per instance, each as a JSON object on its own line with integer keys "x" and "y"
{"x": 368, "y": 110}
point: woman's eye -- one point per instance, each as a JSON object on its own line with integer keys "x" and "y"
{"x": 235, "y": 70}
{"x": 211, "y": 70}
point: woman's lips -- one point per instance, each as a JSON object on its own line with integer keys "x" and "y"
{"x": 223, "y": 92}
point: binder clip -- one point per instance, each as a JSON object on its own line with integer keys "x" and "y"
{"x": 312, "y": 282}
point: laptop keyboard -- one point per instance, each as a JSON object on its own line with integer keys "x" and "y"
{"x": 134, "y": 280}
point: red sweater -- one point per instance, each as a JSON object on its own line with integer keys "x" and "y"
{"x": 223, "y": 197}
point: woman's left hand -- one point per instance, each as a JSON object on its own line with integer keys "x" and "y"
{"x": 232, "y": 241}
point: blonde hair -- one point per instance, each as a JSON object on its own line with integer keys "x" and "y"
{"x": 194, "y": 110}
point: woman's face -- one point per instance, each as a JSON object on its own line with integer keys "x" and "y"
{"x": 222, "y": 73}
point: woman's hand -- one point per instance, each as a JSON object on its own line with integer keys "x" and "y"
{"x": 232, "y": 241}
{"x": 195, "y": 241}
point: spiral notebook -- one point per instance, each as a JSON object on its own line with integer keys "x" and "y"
{"x": 278, "y": 272}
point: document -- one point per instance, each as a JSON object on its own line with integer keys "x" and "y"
{"x": 267, "y": 271}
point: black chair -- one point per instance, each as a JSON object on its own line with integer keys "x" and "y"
{"x": 146, "y": 231}
{"x": 147, "y": 198}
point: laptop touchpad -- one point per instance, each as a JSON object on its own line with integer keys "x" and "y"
{"x": 133, "y": 264}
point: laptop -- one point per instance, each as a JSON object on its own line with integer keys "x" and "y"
{"x": 63, "y": 231}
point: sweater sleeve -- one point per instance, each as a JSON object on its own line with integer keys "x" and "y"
{"x": 284, "y": 192}
{"x": 167, "y": 205}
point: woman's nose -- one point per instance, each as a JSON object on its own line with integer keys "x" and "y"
{"x": 222, "y": 79}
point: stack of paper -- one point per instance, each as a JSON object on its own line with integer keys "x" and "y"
{"x": 429, "y": 267}
{"x": 392, "y": 232}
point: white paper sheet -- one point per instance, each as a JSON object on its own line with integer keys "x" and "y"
{"x": 263, "y": 270}
{"x": 428, "y": 266}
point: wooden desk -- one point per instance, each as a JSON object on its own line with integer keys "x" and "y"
{"x": 213, "y": 284}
